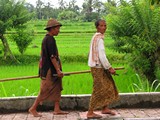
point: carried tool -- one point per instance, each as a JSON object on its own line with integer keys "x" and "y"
{"x": 85, "y": 71}
{"x": 65, "y": 74}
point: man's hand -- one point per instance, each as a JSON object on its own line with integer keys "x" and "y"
{"x": 112, "y": 71}
{"x": 60, "y": 73}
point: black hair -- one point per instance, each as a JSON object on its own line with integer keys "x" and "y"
{"x": 97, "y": 22}
{"x": 48, "y": 29}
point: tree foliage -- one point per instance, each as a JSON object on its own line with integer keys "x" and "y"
{"x": 68, "y": 15}
{"x": 153, "y": 2}
{"x": 39, "y": 6}
{"x": 136, "y": 30}
{"x": 110, "y": 7}
{"x": 92, "y": 9}
{"x": 22, "y": 38}
{"x": 12, "y": 14}
{"x": 69, "y": 11}
{"x": 73, "y": 7}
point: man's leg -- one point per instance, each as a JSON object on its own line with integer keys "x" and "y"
{"x": 93, "y": 115}
{"x": 57, "y": 109}
{"x": 33, "y": 108}
{"x": 106, "y": 110}
{"x": 93, "y": 100}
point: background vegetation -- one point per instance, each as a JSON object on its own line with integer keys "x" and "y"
{"x": 126, "y": 44}
{"x": 135, "y": 30}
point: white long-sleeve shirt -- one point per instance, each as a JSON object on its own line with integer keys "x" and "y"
{"x": 102, "y": 57}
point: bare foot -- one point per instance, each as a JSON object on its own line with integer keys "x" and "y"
{"x": 60, "y": 112}
{"x": 108, "y": 111}
{"x": 34, "y": 113}
{"x": 93, "y": 116}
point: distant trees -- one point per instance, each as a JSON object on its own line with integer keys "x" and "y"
{"x": 68, "y": 15}
{"x": 91, "y": 10}
{"x": 73, "y": 7}
{"x": 110, "y": 7}
{"x": 136, "y": 30}
{"x": 69, "y": 11}
{"x": 29, "y": 7}
{"x": 62, "y": 4}
{"x": 47, "y": 10}
{"x": 39, "y": 6}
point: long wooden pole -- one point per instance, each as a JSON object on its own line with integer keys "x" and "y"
{"x": 36, "y": 76}
{"x": 19, "y": 78}
{"x": 85, "y": 71}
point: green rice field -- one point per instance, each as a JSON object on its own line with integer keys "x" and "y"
{"x": 74, "y": 84}
{"x": 73, "y": 44}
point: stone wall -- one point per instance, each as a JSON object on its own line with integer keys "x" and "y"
{"x": 80, "y": 102}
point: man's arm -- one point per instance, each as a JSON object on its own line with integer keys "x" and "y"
{"x": 56, "y": 66}
{"x": 102, "y": 56}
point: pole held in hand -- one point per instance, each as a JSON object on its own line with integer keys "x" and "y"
{"x": 85, "y": 71}
{"x": 65, "y": 74}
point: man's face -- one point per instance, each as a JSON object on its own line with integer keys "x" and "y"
{"x": 102, "y": 27}
{"x": 55, "y": 31}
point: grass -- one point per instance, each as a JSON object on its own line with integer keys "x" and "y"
{"x": 74, "y": 84}
{"x": 73, "y": 44}
{"x": 145, "y": 85}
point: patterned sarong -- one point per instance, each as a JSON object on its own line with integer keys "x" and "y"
{"x": 104, "y": 89}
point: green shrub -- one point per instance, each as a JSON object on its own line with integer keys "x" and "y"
{"x": 1, "y": 48}
{"x": 135, "y": 29}
{"x": 145, "y": 86}
{"x": 68, "y": 15}
{"x": 23, "y": 39}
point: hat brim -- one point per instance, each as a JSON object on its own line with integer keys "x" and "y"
{"x": 53, "y": 26}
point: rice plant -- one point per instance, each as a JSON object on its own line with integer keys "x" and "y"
{"x": 3, "y": 90}
{"x": 145, "y": 86}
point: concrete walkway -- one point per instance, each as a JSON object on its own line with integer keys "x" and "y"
{"x": 123, "y": 114}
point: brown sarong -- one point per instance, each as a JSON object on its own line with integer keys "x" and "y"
{"x": 50, "y": 88}
{"x": 104, "y": 89}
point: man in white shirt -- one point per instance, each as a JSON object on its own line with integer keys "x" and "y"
{"x": 104, "y": 89}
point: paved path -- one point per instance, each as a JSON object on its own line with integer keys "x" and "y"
{"x": 123, "y": 114}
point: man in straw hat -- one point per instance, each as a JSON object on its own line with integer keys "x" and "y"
{"x": 51, "y": 86}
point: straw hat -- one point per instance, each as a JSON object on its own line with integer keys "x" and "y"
{"x": 52, "y": 23}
